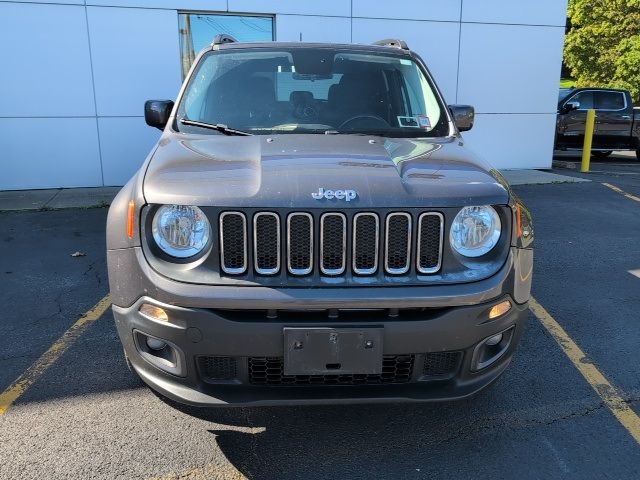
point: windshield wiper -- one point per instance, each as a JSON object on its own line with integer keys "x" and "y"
{"x": 381, "y": 133}
{"x": 220, "y": 127}
{"x": 347, "y": 132}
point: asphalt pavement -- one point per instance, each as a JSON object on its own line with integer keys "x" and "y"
{"x": 87, "y": 416}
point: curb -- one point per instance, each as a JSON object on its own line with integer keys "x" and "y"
{"x": 565, "y": 164}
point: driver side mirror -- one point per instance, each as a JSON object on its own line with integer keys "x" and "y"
{"x": 157, "y": 112}
{"x": 570, "y": 106}
{"x": 463, "y": 116}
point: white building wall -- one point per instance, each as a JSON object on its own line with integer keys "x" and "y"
{"x": 75, "y": 73}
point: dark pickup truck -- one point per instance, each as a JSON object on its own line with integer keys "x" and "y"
{"x": 617, "y": 121}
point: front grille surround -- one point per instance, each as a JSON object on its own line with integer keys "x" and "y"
{"x": 229, "y": 245}
{"x": 358, "y": 242}
{"x": 421, "y": 238}
{"x": 206, "y": 269}
{"x": 329, "y": 250}
{"x": 391, "y": 263}
{"x": 260, "y": 257}
{"x": 298, "y": 256}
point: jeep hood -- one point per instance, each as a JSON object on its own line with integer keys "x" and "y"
{"x": 284, "y": 170}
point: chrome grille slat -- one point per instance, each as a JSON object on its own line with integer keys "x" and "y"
{"x": 366, "y": 243}
{"x": 300, "y": 243}
{"x": 266, "y": 243}
{"x": 233, "y": 242}
{"x": 333, "y": 243}
{"x": 397, "y": 258}
{"x": 430, "y": 240}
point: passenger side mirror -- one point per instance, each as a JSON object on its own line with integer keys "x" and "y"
{"x": 463, "y": 116}
{"x": 570, "y": 106}
{"x": 157, "y": 112}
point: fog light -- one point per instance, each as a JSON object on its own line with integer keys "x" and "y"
{"x": 160, "y": 353}
{"x": 491, "y": 349}
{"x": 155, "y": 344}
{"x": 154, "y": 312}
{"x": 499, "y": 310}
{"x": 491, "y": 341}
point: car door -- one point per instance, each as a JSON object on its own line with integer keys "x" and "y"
{"x": 571, "y": 124}
{"x": 613, "y": 122}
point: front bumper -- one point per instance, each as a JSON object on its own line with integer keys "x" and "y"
{"x": 199, "y": 324}
{"x": 202, "y": 332}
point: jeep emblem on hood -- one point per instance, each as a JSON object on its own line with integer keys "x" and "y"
{"x": 347, "y": 195}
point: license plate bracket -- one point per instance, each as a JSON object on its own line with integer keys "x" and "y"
{"x": 332, "y": 351}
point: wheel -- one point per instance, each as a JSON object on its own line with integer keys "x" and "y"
{"x": 638, "y": 154}
{"x": 602, "y": 154}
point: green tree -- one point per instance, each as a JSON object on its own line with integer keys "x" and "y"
{"x": 602, "y": 48}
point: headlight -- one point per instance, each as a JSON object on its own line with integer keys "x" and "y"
{"x": 475, "y": 231}
{"x": 180, "y": 230}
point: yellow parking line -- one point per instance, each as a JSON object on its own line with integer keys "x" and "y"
{"x": 607, "y": 392}
{"x": 48, "y": 358}
{"x": 622, "y": 192}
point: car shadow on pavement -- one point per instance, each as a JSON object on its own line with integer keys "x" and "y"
{"x": 340, "y": 441}
{"x": 523, "y": 416}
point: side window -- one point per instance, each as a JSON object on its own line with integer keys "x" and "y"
{"x": 609, "y": 100}
{"x": 584, "y": 98}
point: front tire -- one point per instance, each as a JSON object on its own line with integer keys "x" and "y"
{"x": 602, "y": 154}
{"x": 638, "y": 154}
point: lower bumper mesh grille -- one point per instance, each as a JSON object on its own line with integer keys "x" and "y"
{"x": 218, "y": 368}
{"x": 270, "y": 371}
{"x": 441, "y": 364}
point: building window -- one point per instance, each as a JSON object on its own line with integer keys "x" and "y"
{"x": 197, "y": 31}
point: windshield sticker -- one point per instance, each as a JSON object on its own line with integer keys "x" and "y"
{"x": 408, "y": 122}
{"x": 424, "y": 121}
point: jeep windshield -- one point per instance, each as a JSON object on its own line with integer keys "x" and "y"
{"x": 311, "y": 90}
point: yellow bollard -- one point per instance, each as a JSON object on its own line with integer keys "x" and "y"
{"x": 588, "y": 138}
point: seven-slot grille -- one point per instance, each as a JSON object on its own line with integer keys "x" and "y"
{"x": 366, "y": 237}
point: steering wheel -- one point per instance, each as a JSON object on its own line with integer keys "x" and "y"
{"x": 364, "y": 117}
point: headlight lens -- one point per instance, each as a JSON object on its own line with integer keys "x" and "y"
{"x": 475, "y": 231}
{"x": 180, "y": 230}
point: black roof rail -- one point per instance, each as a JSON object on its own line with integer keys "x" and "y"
{"x": 222, "y": 38}
{"x": 392, "y": 42}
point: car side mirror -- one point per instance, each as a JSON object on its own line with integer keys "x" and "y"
{"x": 157, "y": 112}
{"x": 463, "y": 116}
{"x": 570, "y": 106}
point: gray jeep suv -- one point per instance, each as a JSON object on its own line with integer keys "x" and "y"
{"x": 310, "y": 228}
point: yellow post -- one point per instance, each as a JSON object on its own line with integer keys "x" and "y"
{"x": 588, "y": 137}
